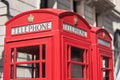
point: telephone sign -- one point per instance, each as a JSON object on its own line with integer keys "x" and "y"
{"x": 31, "y": 28}
{"x": 103, "y": 42}
{"x": 74, "y": 30}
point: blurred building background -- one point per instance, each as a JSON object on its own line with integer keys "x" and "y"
{"x": 100, "y": 13}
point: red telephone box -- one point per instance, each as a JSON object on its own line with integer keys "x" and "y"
{"x": 47, "y": 44}
{"x": 102, "y": 57}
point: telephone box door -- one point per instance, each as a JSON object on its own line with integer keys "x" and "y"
{"x": 76, "y": 60}
{"x": 106, "y": 65}
{"x": 29, "y": 60}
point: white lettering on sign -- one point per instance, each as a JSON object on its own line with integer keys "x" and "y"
{"x": 74, "y": 30}
{"x": 103, "y": 42}
{"x": 31, "y": 28}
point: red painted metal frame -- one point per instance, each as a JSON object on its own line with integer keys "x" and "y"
{"x": 99, "y": 51}
{"x": 68, "y": 43}
{"x": 46, "y": 41}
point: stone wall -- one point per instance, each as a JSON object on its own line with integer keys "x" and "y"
{"x": 3, "y": 19}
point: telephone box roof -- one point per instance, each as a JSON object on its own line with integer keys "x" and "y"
{"x": 57, "y": 12}
{"x": 97, "y": 30}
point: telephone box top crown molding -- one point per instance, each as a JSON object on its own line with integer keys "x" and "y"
{"x": 42, "y": 22}
{"x": 101, "y": 33}
{"x": 56, "y": 12}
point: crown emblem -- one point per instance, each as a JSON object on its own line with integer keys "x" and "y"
{"x": 103, "y": 35}
{"x": 30, "y": 18}
{"x": 75, "y": 20}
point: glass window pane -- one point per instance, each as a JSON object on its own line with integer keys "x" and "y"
{"x": 43, "y": 51}
{"x": 43, "y": 70}
{"x": 44, "y": 4}
{"x": 105, "y": 75}
{"x": 77, "y": 54}
{"x": 12, "y": 55}
{"x": 12, "y": 72}
{"x": 28, "y": 53}
{"x": 77, "y": 71}
{"x": 28, "y": 70}
{"x": 105, "y": 62}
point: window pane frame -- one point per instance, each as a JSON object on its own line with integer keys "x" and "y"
{"x": 81, "y": 63}
{"x": 41, "y": 61}
{"x": 105, "y": 68}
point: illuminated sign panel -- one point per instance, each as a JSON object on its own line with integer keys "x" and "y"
{"x": 74, "y": 30}
{"x": 103, "y": 42}
{"x": 31, "y": 28}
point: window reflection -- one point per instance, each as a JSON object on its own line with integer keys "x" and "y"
{"x": 105, "y": 62}
{"x": 12, "y": 54}
{"x": 77, "y": 54}
{"x": 106, "y": 70}
{"x": 77, "y": 71}
{"x": 28, "y": 53}
{"x": 30, "y": 62}
{"x": 76, "y": 65}
{"x": 12, "y": 72}
{"x": 28, "y": 70}
{"x": 105, "y": 75}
